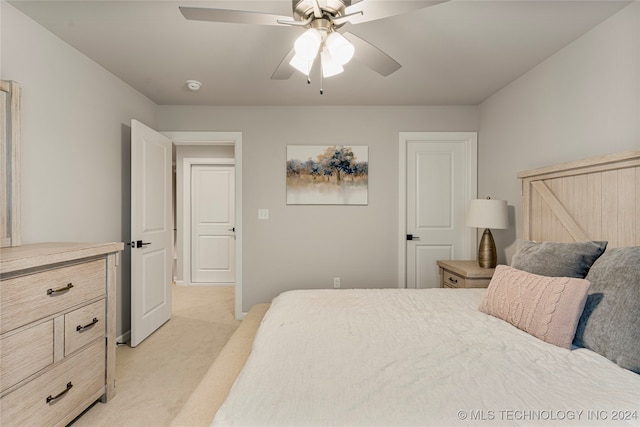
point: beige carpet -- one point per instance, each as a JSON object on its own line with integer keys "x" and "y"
{"x": 155, "y": 379}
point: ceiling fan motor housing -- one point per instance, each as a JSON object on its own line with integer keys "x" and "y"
{"x": 304, "y": 8}
{"x": 322, "y": 25}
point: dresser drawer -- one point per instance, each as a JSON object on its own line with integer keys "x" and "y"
{"x": 83, "y": 325}
{"x": 25, "y": 353}
{"x": 82, "y": 375}
{"x": 452, "y": 280}
{"x": 28, "y": 298}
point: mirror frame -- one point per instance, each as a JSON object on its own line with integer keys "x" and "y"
{"x": 10, "y": 146}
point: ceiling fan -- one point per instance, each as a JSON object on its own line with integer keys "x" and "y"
{"x": 322, "y": 19}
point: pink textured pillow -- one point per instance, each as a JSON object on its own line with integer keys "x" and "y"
{"x": 546, "y": 307}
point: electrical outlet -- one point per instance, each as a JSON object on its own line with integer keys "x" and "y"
{"x": 336, "y": 282}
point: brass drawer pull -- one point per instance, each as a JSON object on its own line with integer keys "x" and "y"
{"x": 452, "y": 280}
{"x": 62, "y": 393}
{"x": 81, "y": 328}
{"x": 59, "y": 290}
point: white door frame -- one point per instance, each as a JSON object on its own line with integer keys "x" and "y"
{"x": 223, "y": 138}
{"x": 186, "y": 203}
{"x": 471, "y": 188}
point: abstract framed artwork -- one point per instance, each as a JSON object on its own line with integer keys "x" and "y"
{"x": 327, "y": 174}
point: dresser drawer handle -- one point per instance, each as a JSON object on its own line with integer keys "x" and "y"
{"x": 62, "y": 393}
{"x": 59, "y": 290}
{"x": 452, "y": 280}
{"x": 81, "y": 328}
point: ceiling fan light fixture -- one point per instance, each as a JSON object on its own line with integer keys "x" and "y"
{"x": 329, "y": 66}
{"x": 339, "y": 47}
{"x": 301, "y": 64}
{"x": 308, "y": 44}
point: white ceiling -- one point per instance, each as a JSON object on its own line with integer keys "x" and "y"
{"x": 454, "y": 53}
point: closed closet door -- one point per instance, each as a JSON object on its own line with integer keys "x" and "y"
{"x": 439, "y": 185}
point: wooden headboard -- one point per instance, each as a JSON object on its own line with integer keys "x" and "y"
{"x": 591, "y": 199}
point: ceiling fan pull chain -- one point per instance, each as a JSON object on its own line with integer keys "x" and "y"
{"x": 321, "y": 78}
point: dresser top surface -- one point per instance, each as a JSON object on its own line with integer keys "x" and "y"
{"x": 40, "y": 254}
{"x": 466, "y": 268}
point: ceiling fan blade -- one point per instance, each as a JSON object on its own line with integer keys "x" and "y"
{"x": 371, "y": 56}
{"x": 231, "y": 16}
{"x": 284, "y": 70}
{"x": 379, "y": 9}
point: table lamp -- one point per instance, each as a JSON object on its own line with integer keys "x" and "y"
{"x": 487, "y": 213}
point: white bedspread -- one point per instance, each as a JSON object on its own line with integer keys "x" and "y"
{"x": 398, "y": 357}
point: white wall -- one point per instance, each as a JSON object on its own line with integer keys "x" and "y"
{"x": 75, "y": 142}
{"x": 581, "y": 102}
{"x": 306, "y": 246}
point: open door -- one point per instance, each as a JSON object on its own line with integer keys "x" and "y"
{"x": 151, "y": 231}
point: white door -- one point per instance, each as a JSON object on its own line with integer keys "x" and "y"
{"x": 440, "y": 181}
{"x": 212, "y": 224}
{"x": 151, "y": 231}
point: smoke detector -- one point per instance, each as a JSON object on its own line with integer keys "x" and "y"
{"x": 193, "y": 85}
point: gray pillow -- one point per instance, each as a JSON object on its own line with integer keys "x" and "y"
{"x": 555, "y": 259}
{"x": 610, "y": 322}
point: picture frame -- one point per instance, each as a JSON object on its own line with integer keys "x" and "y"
{"x": 327, "y": 174}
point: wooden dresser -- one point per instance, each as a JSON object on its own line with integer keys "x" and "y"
{"x": 57, "y": 330}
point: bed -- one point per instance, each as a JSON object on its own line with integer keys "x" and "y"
{"x": 554, "y": 340}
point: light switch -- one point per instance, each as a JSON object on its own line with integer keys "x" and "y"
{"x": 263, "y": 213}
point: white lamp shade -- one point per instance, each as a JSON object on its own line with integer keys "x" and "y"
{"x": 300, "y": 64}
{"x": 488, "y": 213}
{"x": 329, "y": 66}
{"x": 340, "y": 48}
{"x": 307, "y": 45}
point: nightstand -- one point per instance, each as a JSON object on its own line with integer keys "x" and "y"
{"x": 464, "y": 274}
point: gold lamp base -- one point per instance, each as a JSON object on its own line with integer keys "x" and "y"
{"x": 487, "y": 256}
